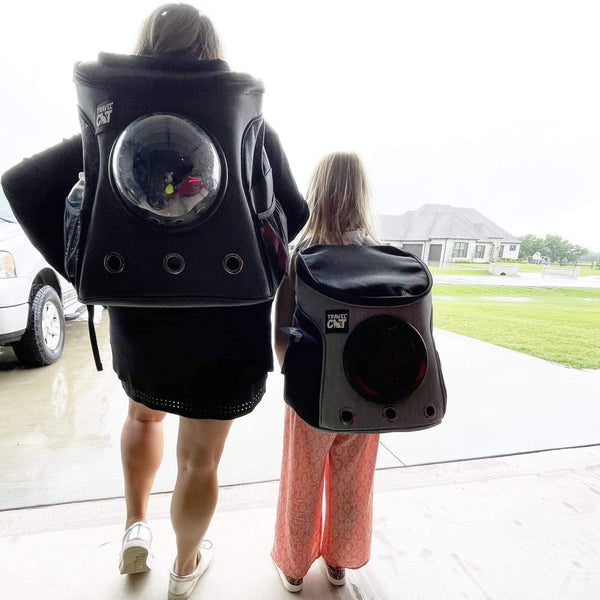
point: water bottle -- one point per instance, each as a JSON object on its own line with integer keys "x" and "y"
{"x": 75, "y": 197}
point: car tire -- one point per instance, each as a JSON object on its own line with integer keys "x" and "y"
{"x": 43, "y": 341}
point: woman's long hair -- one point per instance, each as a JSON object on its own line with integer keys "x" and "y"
{"x": 339, "y": 200}
{"x": 179, "y": 31}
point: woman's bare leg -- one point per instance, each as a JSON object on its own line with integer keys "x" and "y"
{"x": 141, "y": 454}
{"x": 199, "y": 447}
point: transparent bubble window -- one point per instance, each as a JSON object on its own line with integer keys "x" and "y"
{"x": 167, "y": 168}
{"x": 385, "y": 359}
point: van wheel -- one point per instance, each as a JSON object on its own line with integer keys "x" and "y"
{"x": 43, "y": 341}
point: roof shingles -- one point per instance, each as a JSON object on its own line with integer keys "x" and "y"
{"x": 441, "y": 221}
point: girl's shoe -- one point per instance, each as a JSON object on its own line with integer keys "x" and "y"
{"x": 182, "y": 586}
{"x": 136, "y": 556}
{"x": 289, "y": 583}
{"x": 336, "y": 575}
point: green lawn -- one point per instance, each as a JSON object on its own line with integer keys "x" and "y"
{"x": 558, "y": 324}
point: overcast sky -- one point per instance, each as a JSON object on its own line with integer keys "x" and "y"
{"x": 493, "y": 105}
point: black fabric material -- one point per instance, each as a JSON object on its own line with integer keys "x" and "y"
{"x": 364, "y": 275}
{"x": 94, "y": 339}
{"x": 302, "y": 369}
{"x": 220, "y": 400}
{"x": 174, "y": 63}
{"x": 178, "y": 359}
{"x": 157, "y": 346}
{"x": 286, "y": 191}
{"x": 36, "y": 190}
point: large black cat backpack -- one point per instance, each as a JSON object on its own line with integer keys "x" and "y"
{"x": 361, "y": 355}
{"x": 176, "y": 206}
{"x": 178, "y": 194}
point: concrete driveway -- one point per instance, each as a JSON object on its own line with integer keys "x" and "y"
{"x": 59, "y": 438}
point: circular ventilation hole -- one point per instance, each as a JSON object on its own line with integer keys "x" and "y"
{"x": 174, "y": 264}
{"x": 114, "y": 262}
{"x": 346, "y": 416}
{"x": 390, "y": 413}
{"x": 233, "y": 264}
{"x": 430, "y": 411}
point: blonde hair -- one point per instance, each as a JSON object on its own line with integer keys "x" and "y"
{"x": 339, "y": 200}
{"x": 179, "y": 31}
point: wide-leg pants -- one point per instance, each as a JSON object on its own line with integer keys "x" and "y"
{"x": 340, "y": 464}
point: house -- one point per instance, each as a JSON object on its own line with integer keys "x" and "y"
{"x": 441, "y": 234}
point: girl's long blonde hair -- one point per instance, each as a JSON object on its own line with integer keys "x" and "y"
{"x": 339, "y": 200}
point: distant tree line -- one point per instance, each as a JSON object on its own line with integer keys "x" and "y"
{"x": 557, "y": 249}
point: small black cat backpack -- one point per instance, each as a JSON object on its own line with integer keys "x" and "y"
{"x": 175, "y": 207}
{"x": 361, "y": 355}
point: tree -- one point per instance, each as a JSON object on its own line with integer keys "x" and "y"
{"x": 562, "y": 251}
{"x": 556, "y": 248}
{"x": 576, "y": 253}
{"x": 530, "y": 244}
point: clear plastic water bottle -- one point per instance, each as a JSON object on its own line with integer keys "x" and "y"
{"x": 75, "y": 197}
{"x": 72, "y": 227}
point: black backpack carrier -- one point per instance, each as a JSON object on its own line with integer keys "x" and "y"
{"x": 361, "y": 357}
{"x": 177, "y": 206}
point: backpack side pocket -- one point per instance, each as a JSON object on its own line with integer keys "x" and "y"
{"x": 302, "y": 369}
{"x": 270, "y": 218}
{"x": 77, "y": 203}
{"x": 273, "y": 229}
{"x": 72, "y": 227}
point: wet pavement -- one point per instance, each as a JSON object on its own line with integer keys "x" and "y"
{"x": 59, "y": 438}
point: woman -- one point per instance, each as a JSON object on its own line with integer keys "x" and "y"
{"x": 225, "y": 377}
{"x": 340, "y": 464}
{"x": 207, "y": 365}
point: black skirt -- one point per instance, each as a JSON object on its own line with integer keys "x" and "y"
{"x": 202, "y": 363}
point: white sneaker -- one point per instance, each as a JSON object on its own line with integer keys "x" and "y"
{"x": 136, "y": 556}
{"x": 336, "y": 575}
{"x": 182, "y": 586}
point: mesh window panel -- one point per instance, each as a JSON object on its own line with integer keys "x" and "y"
{"x": 385, "y": 359}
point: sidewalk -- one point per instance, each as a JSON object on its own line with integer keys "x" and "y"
{"x": 514, "y": 528}
{"x": 522, "y": 279}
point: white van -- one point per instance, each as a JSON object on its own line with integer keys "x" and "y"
{"x": 34, "y": 298}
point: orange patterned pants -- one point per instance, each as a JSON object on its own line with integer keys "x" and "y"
{"x": 343, "y": 466}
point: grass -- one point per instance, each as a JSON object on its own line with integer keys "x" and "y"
{"x": 557, "y": 324}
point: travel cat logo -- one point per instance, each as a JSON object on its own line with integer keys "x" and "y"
{"x": 104, "y": 113}
{"x": 337, "y": 321}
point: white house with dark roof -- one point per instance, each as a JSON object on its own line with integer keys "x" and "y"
{"x": 441, "y": 234}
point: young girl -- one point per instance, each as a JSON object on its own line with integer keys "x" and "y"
{"x": 314, "y": 461}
